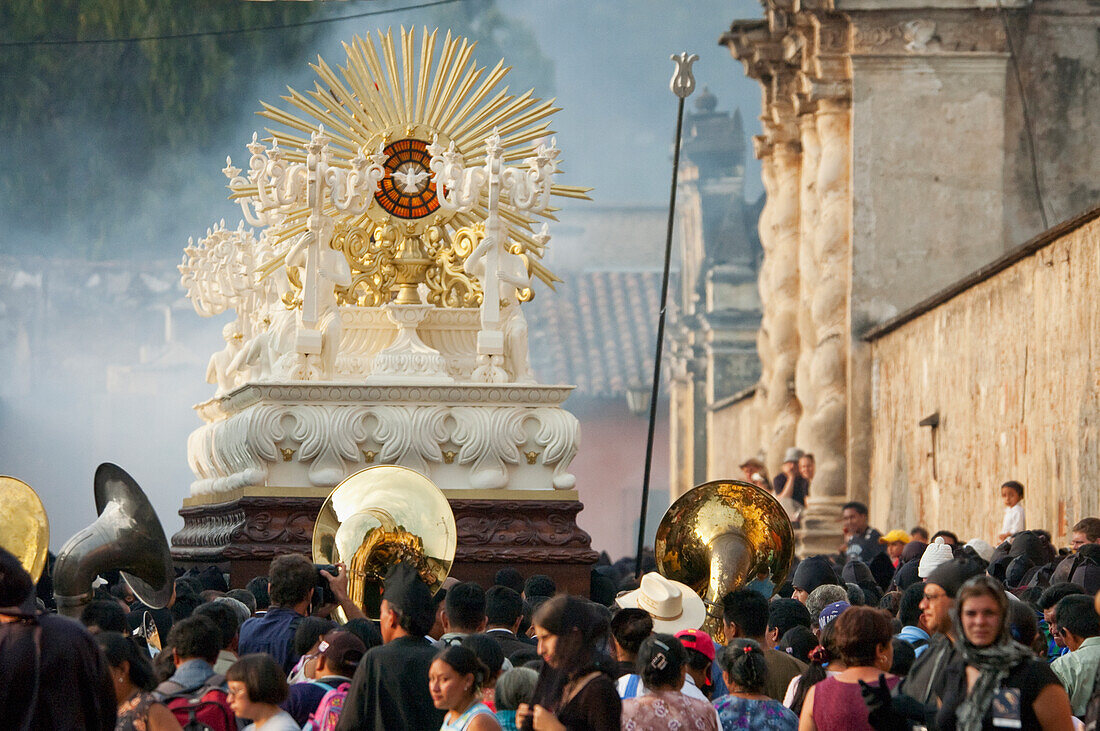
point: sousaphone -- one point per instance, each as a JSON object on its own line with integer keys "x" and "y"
{"x": 127, "y": 536}
{"x": 721, "y": 535}
{"x": 24, "y": 525}
{"x": 379, "y": 517}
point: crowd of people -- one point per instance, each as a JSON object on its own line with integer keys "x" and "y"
{"x": 893, "y": 631}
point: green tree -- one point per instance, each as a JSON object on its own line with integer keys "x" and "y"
{"x": 89, "y": 128}
{"x": 107, "y": 147}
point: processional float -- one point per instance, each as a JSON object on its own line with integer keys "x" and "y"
{"x": 393, "y": 226}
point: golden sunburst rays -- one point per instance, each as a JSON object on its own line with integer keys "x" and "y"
{"x": 387, "y": 92}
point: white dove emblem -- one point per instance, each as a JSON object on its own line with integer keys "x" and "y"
{"x": 409, "y": 178}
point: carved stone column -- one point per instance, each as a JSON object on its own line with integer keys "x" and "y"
{"x": 783, "y": 302}
{"x": 828, "y": 374}
{"x": 767, "y": 264}
{"x": 807, "y": 277}
{"x": 681, "y": 418}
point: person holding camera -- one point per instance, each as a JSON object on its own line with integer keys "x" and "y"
{"x": 292, "y": 581}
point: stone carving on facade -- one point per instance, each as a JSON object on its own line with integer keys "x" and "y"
{"x": 763, "y": 337}
{"x": 932, "y": 79}
{"x": 808, "y": 275}
{"x": 783, "y": 299}
{"x": 920, "y": 36}
{"x": 945, "y": 33}
{"x": 806, "y": 238}
{"x": 829, "y": 309}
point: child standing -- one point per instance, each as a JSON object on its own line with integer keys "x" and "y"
{"x": 1012, "y": 493}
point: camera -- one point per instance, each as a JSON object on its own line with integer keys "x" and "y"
{"x": 322, "y": 592}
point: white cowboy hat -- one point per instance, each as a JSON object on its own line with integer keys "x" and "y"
{"x": 672, "y": 605}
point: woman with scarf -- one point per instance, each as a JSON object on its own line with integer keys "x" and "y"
{"x": 1000, "y": 683}
{"x": 574, "y": 691}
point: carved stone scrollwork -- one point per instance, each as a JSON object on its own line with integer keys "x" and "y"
{"x": 901, "y": 34}
{"x": 830, "y": 62}
{"x": 329, "y": 441}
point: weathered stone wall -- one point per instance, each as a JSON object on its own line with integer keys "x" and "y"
{"x": 1058, "y": 50}
{"x": 734, "y": 429}
{"x": 1009, "y": 363}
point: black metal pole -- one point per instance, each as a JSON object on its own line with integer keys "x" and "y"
{"x": 660, "y": 342}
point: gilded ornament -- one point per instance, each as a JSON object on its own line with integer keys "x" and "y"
{"x": 396, "y": 98}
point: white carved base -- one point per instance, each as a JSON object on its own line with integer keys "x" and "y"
{"x": 408, "y": 359}
{"x": 469, "y": 436}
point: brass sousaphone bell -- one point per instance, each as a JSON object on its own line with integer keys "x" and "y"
{"x": 379, "y": 517}
{"x": 127, "y": 536}
{"x": 24, "y": 525}
{"x": 721, "y": 535}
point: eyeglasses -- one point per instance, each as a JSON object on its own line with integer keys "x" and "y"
{"x": 934, "y": 597}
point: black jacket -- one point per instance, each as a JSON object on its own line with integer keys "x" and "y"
{"x": 925, "y": 679}
{"x": 509, "y": 643}
{"x": 72, "y": 689}
{"x": 390, "y": 689}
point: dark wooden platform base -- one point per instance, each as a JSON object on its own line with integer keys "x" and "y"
{"x": 242, "y": 535}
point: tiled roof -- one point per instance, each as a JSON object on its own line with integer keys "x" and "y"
{"x": 597, "y": 330}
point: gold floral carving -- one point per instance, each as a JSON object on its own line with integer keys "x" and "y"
{"x": 448, "y": 284}
{"x": 370, "y": 256}
{"x": 374, "y": 258}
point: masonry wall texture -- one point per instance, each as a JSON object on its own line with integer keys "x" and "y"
{"x": 734, "y": 429}
{"x": 1009, "y": 365}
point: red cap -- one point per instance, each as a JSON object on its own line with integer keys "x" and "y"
{"x": 697, "y": 639}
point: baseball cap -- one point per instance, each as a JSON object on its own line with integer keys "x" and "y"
{"x": 697, "y": 639}
{"x": 342, "y": 649}
{"x": 831, "y": 612}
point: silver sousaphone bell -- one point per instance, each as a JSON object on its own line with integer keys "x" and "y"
{"x": 127, "y": 536}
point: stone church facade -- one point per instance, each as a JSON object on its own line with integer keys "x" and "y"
{"x": 906, "y": 145}
{"x": 715, "y": 315}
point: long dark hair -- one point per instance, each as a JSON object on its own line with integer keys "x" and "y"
{"x": 578, "y": 628}
{"x": 660, "y": 662}
{"x": 743, "y": 661}
{"x": 814, "y": 673}
{"x": 465, "y": 661}
{"x": 118, "y": 649}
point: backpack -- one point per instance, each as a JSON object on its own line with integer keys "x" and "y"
{"x": 328, "y": 710}
{"x": 205, "y": 708}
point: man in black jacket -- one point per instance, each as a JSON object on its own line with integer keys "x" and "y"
{"x": 52, "y": 674}
{"x": 390, "y": 687}
{"x": 503, "y": 609}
